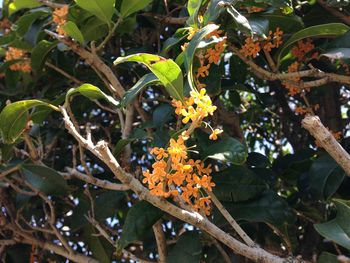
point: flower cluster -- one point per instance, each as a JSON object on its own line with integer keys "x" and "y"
{"x": 210, "y": 56}
{"x": 302, "y": 48}
{"x": 59, "y": 18}
{"x": 175, "y": 175}
{"x": 251, "y": 48}
{"x": 196, "y": 107}
{"x": 18, "y": 54}
{"x": 292, "y": 89}
{"x": 303, "y": 110}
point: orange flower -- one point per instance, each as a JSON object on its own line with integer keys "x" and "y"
{"x": 203, "y": 71}
{"x": 214, "y": 135}
{"x": 292, "y": 89}
{"x": 300, "y": 110}
{"x": 300, "y": 50}
{"x": 160, "y": 152}
{"x": 18, "y": 54}
{"x": 250, "y": 48}
{"x": 59, "y": 17}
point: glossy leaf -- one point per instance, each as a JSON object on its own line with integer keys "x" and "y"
{"x": 326, "y": 257}
{"x": 104, "y": 10}
{"x": 269, "y": 208}
{"x": 45, "y": 179}
{"x": 140, "y": 218}
{"x": 166, "y": 70}
{"x": 187, "y": 249}
{"x": 325, "y": 30}
{"x": 193, "y": 7}
{"x": 146, "y": 80}
{"x": 17, "y": 5}
{"x": 14, "y": 117}
{"x": 237, "y": 183}
{"x": 227, "y": 150}
{"x": 129, "y": 7}
{"x": 325, "y": 177}
{"x": 179, "y": 35}
{"x": 73, "y": 31}
{"x": 191, "y": 50}
{"x": 92, "y": 92}
{"x": 24, "y": 22}
{"x": 240, "y": 20}
{"x": 40, "y": 52}
{"x": 338, "y": 229}
{"x": 213, "y": 11}
{"x": 162, "y": 114}
{"x": 100, "y": 248}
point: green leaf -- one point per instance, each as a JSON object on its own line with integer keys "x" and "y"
{"x": 100, "y": 248}
{"x": 179, "y": 35}
{"x": 240, "y": 20}
{"x": 140, "y": 218}
{"x": 187, "y": 249}
{"x": 256, "y": 159}
{"x": 20, "y": 4}
{"x": 325, "y": 177}
{"x": 287, "y": 23}
{"x": 14, "y": 117}
{"x": 107, "y": 204}
{"x": 325, "y": 30}
{"x": 6, "y": 39}
{"x": 91, "y": 92}
{"x": 227, "y": 150}
{"x": 118, "y": 149}
{"x": 103, "y": 9}
{"x": 129, "y": 7}
{"x": 167, "y": 71}
{"x": 326, "y": 257}
{"x": 162, "y": 114}
{"x": 338, "y": 229}
{"x": 94, "y": 29}
{"x": 45, "y": 179}
{"x": 193, "y": 7}
{"x": 237, "y": 183}
{"x": 40, "y": 52}
{"x": 213, "y": 11}
{"x": 146, "y": 80}
{"x": 191, "y": 50}
{"x": 268, "y": 208}
{"x": 73, "y": 31}
{"x": 24, "y": 22}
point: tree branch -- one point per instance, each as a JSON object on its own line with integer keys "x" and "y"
{"x": 101, "y": 151}
{"x": 161, "y": 241}
{"x": 98, "y": 182}
{"x": 314, "y": 125}
{"x": 335, "y": 12}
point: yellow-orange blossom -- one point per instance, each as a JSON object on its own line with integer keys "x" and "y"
{"x": 174, "y": 173}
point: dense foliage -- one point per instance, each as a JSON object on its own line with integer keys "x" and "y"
{"x": 201, "y": 101}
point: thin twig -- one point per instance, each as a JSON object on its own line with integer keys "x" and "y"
{"x": 98, "y": 182}
{"x": 335, "y": 12}
{"x": 9, "y": 171}
{"x": 230, "y": 219}
{"x": 161, "y": 241}
{"x": 33, "y": 153}
{"x": 64, "y": 73}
